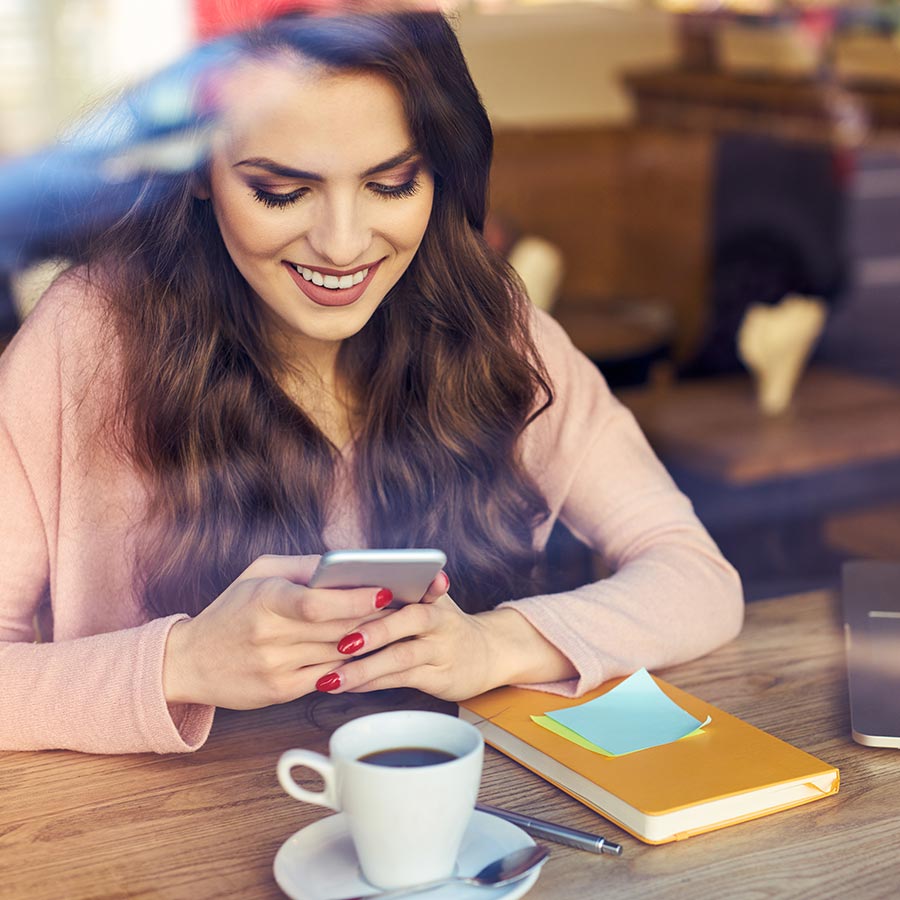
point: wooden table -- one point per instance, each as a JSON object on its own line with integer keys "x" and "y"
{"x": 208, "y": 825}
{"x": 714, "y": 425}
{"x": 873, "y": 532}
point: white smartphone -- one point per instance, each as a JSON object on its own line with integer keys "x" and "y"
{"x": 405, "y": 573}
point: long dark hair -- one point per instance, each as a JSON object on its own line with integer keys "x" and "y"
{"x": 445, "y": 373}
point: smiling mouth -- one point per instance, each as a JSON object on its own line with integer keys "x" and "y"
{"x": 328, "y": 287}
{"x": 330, "y": 281}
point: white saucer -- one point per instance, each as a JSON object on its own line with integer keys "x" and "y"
{"x": 319, "y": 862}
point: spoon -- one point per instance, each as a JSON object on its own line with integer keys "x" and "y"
{"x": 510, "y": 868}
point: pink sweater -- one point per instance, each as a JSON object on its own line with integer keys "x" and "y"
{"x": 72, "y": 513}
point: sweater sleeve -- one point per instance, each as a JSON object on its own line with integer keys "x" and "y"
{"x": 99, "y": 691}
{"x": 672, "y": 595}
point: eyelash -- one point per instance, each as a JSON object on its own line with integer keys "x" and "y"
{"x": 278, "y": 201}
{"x": 407, "y": 189}
{"x": 390, "y": 192}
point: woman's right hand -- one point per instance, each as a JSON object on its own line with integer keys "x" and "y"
{"x": 267, "y": 638}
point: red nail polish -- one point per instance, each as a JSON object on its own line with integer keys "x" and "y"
{"x": 328, "y": 682}
{"x": 382, "y": 598}
{"x": 351, "y": 643}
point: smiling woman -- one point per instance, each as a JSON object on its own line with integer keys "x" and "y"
{"x": 334, "y": 216}
{"x": 303, "y": 342}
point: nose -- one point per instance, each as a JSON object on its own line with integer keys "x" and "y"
{"x": 340, "y": 235}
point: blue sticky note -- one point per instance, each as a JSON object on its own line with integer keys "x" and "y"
{"x": 634, "y": 715}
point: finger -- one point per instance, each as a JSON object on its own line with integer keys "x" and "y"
{"x": 413, "y": 678}
{"x": 297, "y": 682}
{"x": 317, "y": 605}
{"x": 309, "y": 653}
{"x": 394, "y": 665}
{"x": 409, "y": 621}
{"x": 298, "y": 569}
{"x": 332, "y": 631}
{"x": 438, "y": 587}
{"x": 282, "y": 661}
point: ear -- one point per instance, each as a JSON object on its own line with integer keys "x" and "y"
{"x": 200, "y": 186}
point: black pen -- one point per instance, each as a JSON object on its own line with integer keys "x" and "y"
{"x": 572, "y": 837}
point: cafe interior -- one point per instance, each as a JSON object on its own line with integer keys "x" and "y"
{"x": 706, "y": 195}
{"x": 703, "y": 194}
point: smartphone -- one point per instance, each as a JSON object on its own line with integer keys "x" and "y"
{"x": 405, "y": 573}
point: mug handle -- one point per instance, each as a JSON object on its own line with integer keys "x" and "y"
{"x": 318, "y": 763}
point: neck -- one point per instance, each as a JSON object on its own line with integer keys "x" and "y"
{"x": 302, "y": 357}
{"x": 311, "y": 378}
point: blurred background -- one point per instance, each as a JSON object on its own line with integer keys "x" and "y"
{"x": 706, "y": 195}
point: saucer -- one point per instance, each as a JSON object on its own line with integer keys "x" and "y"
{"x": 319, "y": 862}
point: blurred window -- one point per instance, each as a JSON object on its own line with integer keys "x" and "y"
{"x": 56, "y": 56}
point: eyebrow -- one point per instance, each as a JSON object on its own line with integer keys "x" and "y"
{"x": 269, "y": 165}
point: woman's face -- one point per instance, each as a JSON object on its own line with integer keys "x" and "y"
{"x": 321, "y": 196}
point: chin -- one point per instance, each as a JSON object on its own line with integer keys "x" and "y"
{"x": 334, "y": 332}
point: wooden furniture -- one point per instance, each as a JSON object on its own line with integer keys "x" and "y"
{"x": 765, "y": 486}
{"x": 714, "y": 426}
{"x": 703, "y": 100}
{"x": 208, "y": 825}
{"x": 628, "y": 207}
{"x": 615, "y": 333}
{"x": 842, "y": 107}
{"x": 873, "y": 532}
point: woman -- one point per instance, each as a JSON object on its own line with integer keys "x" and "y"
{"x": 305, "y": 343}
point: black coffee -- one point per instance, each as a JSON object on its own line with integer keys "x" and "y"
{"x": 406, "y": 757}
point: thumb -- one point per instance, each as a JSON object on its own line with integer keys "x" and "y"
{"x": 438, "y": 587}
{"x": 297, "y": 569}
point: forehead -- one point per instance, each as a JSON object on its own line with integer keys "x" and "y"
{"x": 302, "y": 114}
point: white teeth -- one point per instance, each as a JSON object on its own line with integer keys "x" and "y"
{"x": 333, "y": 282}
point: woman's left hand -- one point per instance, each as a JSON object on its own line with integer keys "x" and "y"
{"x": 437, "y": 648}
{"x": 434, "y": 647}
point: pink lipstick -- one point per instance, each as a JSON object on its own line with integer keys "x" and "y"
{"x": 324, "y": 296}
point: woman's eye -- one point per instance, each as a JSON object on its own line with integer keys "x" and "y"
{"x": 407, "y": 189}
{"x": 278, "y": 201}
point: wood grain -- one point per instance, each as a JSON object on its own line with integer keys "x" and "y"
{"x": 628, "y": 208}
{"x": 208, "y": 825}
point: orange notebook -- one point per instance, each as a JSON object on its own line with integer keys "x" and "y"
{"x": 729, "y": 773}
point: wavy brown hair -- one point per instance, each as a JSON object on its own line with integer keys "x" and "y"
{"x": 445, "y": 373}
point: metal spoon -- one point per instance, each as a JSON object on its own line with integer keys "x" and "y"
{"x": 510, "y": 868}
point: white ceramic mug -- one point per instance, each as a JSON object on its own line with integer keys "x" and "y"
{"x": 407, "y": 823}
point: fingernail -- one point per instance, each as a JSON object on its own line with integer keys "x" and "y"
{"x": 329, "y": 682}
{"x": 382, "y": 598}
{"x": 447, "y": 580}
{"x": 351, "y": 643}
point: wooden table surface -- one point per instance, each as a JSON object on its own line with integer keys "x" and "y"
{"x": 208, "y": 824}
{"x": 714, "y": 425}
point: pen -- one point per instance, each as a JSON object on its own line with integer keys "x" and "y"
{"x": 583, "y": 840}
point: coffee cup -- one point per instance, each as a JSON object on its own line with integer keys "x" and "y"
{"x": 407, "y": 781}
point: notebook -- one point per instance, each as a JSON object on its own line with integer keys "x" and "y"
{"x": 729, "y": 772}
{"x": 871, "y": 608}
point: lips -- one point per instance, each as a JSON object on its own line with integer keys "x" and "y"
{"x": 333, "y": 296}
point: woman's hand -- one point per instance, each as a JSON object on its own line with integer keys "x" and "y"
{"x": 267, "y": 638}
{"x": 437, "y": 648}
